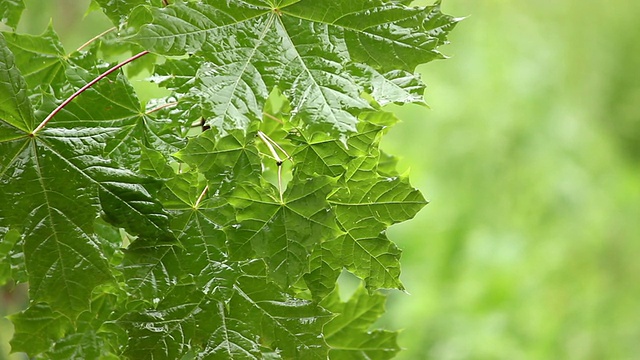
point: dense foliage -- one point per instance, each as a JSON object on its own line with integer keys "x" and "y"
{"x": 215, "y": 222}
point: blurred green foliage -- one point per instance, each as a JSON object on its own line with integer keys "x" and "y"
{"x": 531, "y": 158}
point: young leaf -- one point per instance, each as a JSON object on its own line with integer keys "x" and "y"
{"x": 9, "y": 267}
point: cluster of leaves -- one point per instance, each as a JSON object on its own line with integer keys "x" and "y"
{"x": 213, "y": 223}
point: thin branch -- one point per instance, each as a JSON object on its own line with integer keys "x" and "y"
{"x": 84, "y": 88}
{"x": 204, "y": 192}
{"x": 162, "y": 107}
{"x": 280, "y": 190}
{"x": 95, "y": 38}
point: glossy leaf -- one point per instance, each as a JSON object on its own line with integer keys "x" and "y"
{"x": 288, "y": 325}
{"x": 118, "y": 11}
{"x": 321, "y": 54}
{"x": 15, "y": 107}
{"x": 256, "y": 318}
{"x": 364, "y": 210}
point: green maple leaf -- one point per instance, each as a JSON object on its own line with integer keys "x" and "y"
{"x": 364, "y": 210}
{"x": 45, "y": 179}
{"x": 223, "y": 158}
{"x": 283, "y": 231}
{"x": 256, "y": 318}
{"x": 285, "y": 324}
{"x": 119, "y": 11}
{"x": 88, "y": 338}
{"x": 321, "y": 54}
{"x": 10, "y": 267}
{"x": 348, "y": 332}
{"x": 152, "y": 269}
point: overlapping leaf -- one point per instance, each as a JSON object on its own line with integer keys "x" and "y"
{"x": 255, "y": 319}
{"x": 15, "y": 107}
{"x": 348, "y": 333}
{"x": 45, "y": 180}
{"x": 37, "y": 328}
{"x": 321, "y": 54}
{"x": 152, "y": 269}
{"x": 118, "y": 11}
{"x": 283, "y": 232}
{"x": 286, "y": 325}
{"x": 223, "y": 159}
{"x": 41, "y": 329}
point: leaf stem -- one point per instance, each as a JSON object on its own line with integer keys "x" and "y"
{"x": 270, "y": 144}
{"x": 84, "y": 88}
{"x": 162, "y": 107}
{"x": 280, "y": 190}
{"x": 95, "y": 38}
{"x": 273, "y": 118}
{"x": 201, "y": 197}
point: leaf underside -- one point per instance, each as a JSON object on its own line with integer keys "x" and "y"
{"x": 212, "y": 223}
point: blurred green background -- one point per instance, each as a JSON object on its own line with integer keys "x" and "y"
{"x": 530, "y": 156}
